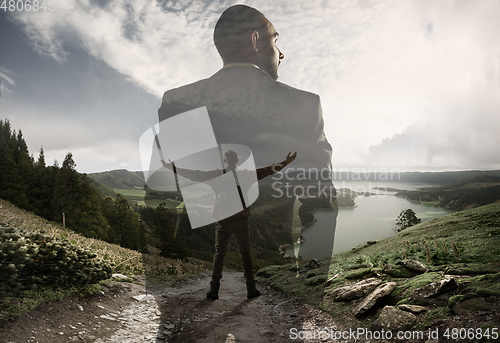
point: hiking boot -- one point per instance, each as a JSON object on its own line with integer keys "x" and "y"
{"x": 213, "y": 293}
{"x": 252, "y": 292}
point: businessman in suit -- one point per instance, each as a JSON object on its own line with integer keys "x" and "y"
{"x": 248, "y": 106}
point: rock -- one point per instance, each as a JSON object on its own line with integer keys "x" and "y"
{"x": 119, "y": 276}
{"x": 412, "y": 308}
{"x": 355, "y": 291}
{"x": 143, "y": 297}
{"x": 358, "y": 273}
{"x": 359, "y": 266}
{"x": 472, "y": 269}
{"x": 435, "y": 288}
{"x": 313, "y": 264}
{"x": 313, "y": 272}
{"x": 316, "y": 280}
{"x": 397, "y": 271}
{"x": 268, "y": 271}
{"x": 107, "y": 317}
{"x": 80, "y": 307}
{"x": 395, "y": 320}
{"x": 414, "y": 265}
{"x": 370, "y": 301}
{"x": 472, "y": 304}
{"x": 333, "y": 277}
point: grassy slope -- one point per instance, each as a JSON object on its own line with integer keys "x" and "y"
{"x": 475, "y": 232}
{"x": 125, "y": 261}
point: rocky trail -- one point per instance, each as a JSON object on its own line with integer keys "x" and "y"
{"x": 123, "y": 312}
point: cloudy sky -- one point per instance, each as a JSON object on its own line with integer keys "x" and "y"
{"x": 404, "y": 84}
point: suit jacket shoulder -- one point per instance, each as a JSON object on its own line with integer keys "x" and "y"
{"x": 181, "y": 99}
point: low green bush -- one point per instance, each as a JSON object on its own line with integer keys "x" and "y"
{"x": 32, "y": 259}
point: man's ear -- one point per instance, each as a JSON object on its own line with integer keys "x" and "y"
{"x": 255, "y": 38}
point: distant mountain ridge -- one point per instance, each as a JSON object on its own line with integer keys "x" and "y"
{"x": 124, "y": 179}
{"x": 120, "y": 179}
{"x": 445, "y": 177}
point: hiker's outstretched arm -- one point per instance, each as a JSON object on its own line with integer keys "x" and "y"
{"x": 194, "y": 175}
{"x": 274, "y": 168}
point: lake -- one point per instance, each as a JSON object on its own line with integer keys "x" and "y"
{"x": 373, "y": 218}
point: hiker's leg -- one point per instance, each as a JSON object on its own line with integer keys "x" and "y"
{"x": 242, "y": 235}
{"x": 222, "y": 236}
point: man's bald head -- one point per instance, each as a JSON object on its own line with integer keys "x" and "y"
{"x": 232, "y": 34}
{"x": 243, "y": 34}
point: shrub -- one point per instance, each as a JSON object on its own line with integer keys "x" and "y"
{"x": 33, "y": 259}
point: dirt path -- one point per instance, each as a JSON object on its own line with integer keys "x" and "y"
{"x": 180, "y": 313}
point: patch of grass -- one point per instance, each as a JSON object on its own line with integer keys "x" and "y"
{"x": 434, "y": 316}
{"x": 154, "y": 203}
{"x": 131, "y": 192}
{"x": 13, "y": 304}
{"x": 478, "y": 286}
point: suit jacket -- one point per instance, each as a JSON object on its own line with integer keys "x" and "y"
{"x": 247, "y": 107}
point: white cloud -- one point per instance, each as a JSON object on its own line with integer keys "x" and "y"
{"x": 155, "y": 48}
{"x": 463, "y": 136}
{"x": 7, "y": 76}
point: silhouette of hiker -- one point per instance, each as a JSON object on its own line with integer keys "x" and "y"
{"x": 227, "y": 224}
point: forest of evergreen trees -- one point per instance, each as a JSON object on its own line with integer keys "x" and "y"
{"x": 51, "y": 191}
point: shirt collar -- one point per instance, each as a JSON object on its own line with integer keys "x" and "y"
{"x": 239, "y": 64}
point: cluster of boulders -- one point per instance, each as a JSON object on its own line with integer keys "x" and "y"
{"x": 397, "y": 296}
{"x": 420, "y": 284}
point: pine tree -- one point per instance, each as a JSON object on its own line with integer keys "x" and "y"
{"x": 171, "y": 244}
{"x": 406, "y": 219}
{"x": 79, "y": 201}
{"x": 126, "y": 229}
{"x": 43, "y": 187}
{"x": 16, "y": 166}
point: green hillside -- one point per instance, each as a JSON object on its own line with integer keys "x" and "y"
{"x": 463, "y": 246}
{"x": 445, "y": 177}
{"x": 481, "y": 190}
{"x": 120, "y": 179}
{"x": 15, "y": 300}
{"x": 102, "y": 189}
{"x": 476, "y": 232}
